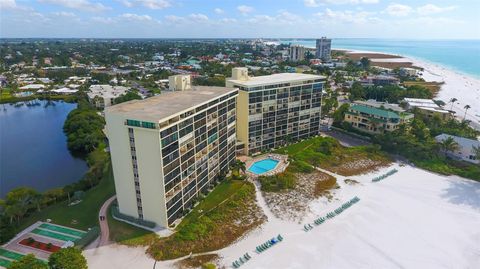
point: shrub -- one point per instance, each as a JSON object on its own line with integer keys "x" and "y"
{"x": 279, "y": 182}
{"x": 91, "y": 235}
{"x": 116, "y": 213}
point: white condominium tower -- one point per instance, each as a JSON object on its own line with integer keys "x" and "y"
{"x": 323, "y": 49}
{"x": 276, "y": 109}
{"x": 296, "y": 53}
{"x": 168, "y": 148}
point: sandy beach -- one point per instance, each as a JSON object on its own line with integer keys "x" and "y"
{"x": 412, "y": 219}
{"x": 456, "y": 85}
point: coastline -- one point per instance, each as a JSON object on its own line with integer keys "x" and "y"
{"x": 457, "y": 85}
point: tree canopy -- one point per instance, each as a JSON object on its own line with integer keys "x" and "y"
{"x": 67, "y": 258}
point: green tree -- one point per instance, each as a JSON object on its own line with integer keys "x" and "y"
{"x": 131, "y": 95}
{"x": 67, "y": 258}
{"x": 339, "y": 114}
{"x": 18, "y": 201}
{"x": 476, "y": 153}
{"x": 237, "y": 167}
{"x": 28, "y": 262}
{"x": 448, "y": 145}
{"x": 365, "y": 62}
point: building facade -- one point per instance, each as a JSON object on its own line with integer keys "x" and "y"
{"x": 375, "y": 120}
{"x": 465, "y": 150}
{"x": 276, "y": 109}
{"x": 296, "y": 53}
{"x": 324, "y": 49}
{"x": 102, "y": 96}
{"x": 168, "y": 149}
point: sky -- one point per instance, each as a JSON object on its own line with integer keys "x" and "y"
{"x": 415, "y": 19}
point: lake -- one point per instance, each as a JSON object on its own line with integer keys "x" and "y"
{"x": 33, "y": 147}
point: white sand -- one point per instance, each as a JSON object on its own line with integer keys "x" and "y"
{"x": 412, "y": 219}
{"x": 456, "y": 85}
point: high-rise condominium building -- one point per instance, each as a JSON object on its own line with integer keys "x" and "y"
{"x": 296, "y": 53}
{"x": 276, "y": 109}
{"x": 323, "y": 49}
{"x": 168, "y": 148}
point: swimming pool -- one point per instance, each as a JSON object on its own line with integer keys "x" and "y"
{"x": 263, "y": 166}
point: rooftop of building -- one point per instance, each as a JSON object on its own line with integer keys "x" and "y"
{"x": 168, "y": 104}
{"x": 416, "y": 102}
{"x": 275, "y": 79}
{"x": 462, "y": 141}
{"x": 384, "y": 113}
{"x": 385, "y": 105}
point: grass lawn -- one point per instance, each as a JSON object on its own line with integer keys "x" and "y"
{"x": 85, "y": 213}
{"x": 127, "y": 234}
{"x": 327, "y": 153}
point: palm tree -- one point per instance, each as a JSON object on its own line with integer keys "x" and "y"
{"x": 238, "y": 166}
{"x": 467, "y": 107}
{"x": 453, "y": 100}
{"x": 449, "y": 145}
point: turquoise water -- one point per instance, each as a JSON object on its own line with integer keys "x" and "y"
{"x": 263, "y": 166}
{"x": 459, "y": 55}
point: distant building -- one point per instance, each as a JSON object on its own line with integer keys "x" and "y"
{"x": 465, "y": 148}
{"x": 375, "y": 120}
{"x": 409, "y": 72}
{"x": 324, "y": 49}
{"x": 296, "y": 53}
{"x": 179, "y": 83}
{"x": 379, "y": 80}
{"x": 102, "y": 96}
{"x": 428, "y": 108}
{"x": 275, "y": 108}
{"x": 33, "y": 87}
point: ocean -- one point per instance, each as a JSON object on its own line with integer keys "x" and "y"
{"x": 459, "y": 55}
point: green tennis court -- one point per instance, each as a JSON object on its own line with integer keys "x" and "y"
{"x": 61, "y": 229}
{"x": 55, "y": 235}
{"x": 10, "y": 254}
{"x": 5, "y": 263}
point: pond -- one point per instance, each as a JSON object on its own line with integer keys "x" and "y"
{"x": 33, "y": 147}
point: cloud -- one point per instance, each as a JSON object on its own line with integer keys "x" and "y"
{"x": 126, "y": 3}
{"x": 64, "y": 14}
{"x": 317, "y": 3}
{"x": 198, "y": 17}
{"x": 228, "y": 20}
{"x": 398, "y": 10}
{"x": 136, "y": 17}
{"x": 8, "y": 4}
{"x": 154, "y": 4}
{"x": 84, "y": 5}
{"x": 245, "y": 9}
{"x": 347, "y": 16}
{"x": 433, "y": 9}
{"x": 219, "y": 11}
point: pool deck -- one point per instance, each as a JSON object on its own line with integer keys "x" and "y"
{"x": 279, "y": 168}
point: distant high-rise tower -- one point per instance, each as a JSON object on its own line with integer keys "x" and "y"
{"x": 296, "y": 53}
{"x": 323, "y": 49}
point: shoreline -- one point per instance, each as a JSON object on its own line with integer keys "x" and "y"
{"x": 457, "y": 85}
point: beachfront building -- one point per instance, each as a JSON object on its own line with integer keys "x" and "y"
{"x": 375, "y": 120}
{"x": 275, "y": 109}
{"x": 296, "y": 53}
{"x": 102, "y": 96}
{"x": 323, "y": 49}
{"x": 465, "y": 150}
{"x": 428, "y": 108}
{"x": 379, "y": 80}
{"x": 167, "y": 149}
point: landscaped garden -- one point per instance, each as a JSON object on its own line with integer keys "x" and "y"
{"x": 30, "y": 242}
{"x": 219, "y": 219}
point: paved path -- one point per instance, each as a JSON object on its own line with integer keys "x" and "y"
{"x": 104, "y": 231}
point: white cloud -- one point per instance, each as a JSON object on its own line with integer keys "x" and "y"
{"x": 8, "y": 4}
{"x": 198, "y": 17}
{"x": 398, "y": 10}
{"x": 105, "y": 20}
{"x": 126, "y": 3}
{"x": 64, "y": 14}
{"x": 317, "y": 3}
{"x": 136, "y": 17}
{"x": 245, "y": 9}
{"x": 154, "y": 4}
{"x": 84, "y": 5}
{"x": 347, "y": 16}
{"x": 432, "y": 9}
{"x": 219, "y": 11}
{"x": 174, "y": 19}
{"x": 228, "y": 20}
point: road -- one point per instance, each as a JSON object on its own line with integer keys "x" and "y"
{"x": 104, "y": 231}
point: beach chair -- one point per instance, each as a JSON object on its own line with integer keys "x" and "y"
{"x": 280, "y": 238}
{"x": 234, "y": 265}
